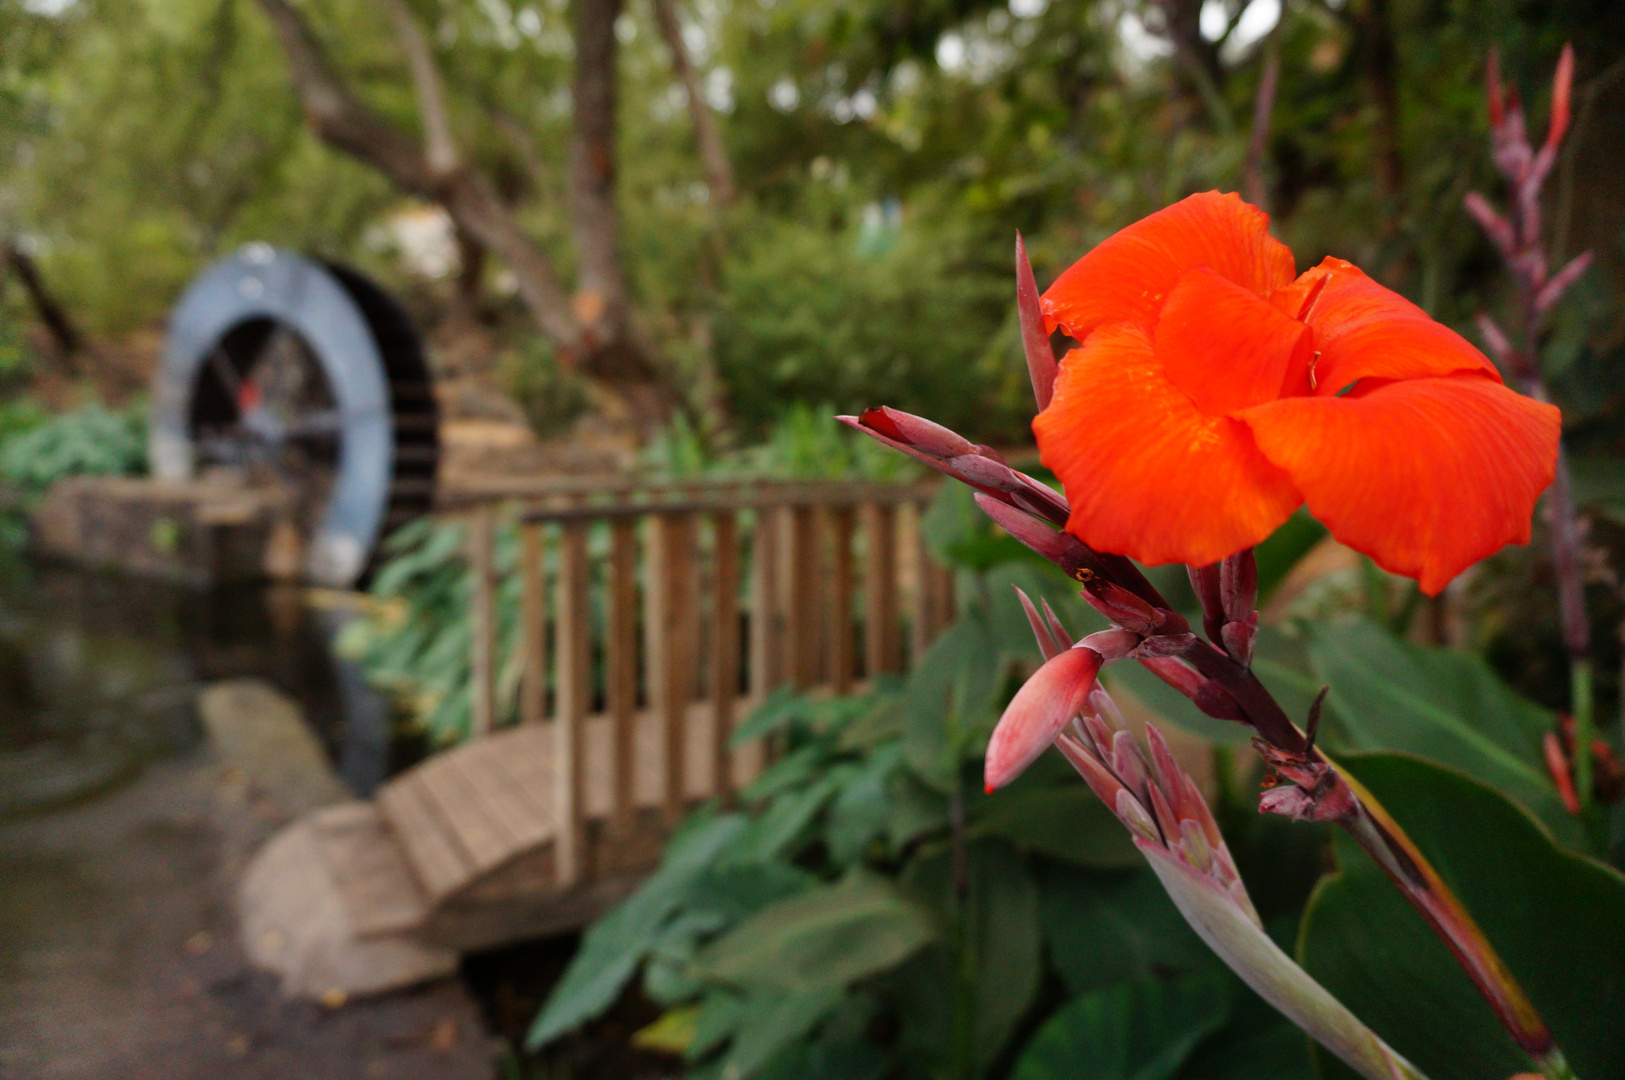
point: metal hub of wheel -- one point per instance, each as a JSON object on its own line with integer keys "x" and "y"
{"x": 307, "y": 376}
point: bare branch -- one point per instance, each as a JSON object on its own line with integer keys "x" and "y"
{"x": 601, "y": 350}
{"x": 440, "y": 149}
{"x": 1263, "y": 107}
{"x": 713, "y": 156}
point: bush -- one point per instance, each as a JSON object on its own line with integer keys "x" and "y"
{"x": 811, "y": 315}
{"x": 88, "y": 440}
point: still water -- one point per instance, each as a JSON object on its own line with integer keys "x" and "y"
{"x": 99, "y": 676}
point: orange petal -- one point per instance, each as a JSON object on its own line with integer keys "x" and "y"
{"x": 1427, "y": 476}
{"x": 1128, "y": 275}
{"x": 1364, "y": 331}
{"x": 1228, "y": 348}
{"x": 1146, "y": 473}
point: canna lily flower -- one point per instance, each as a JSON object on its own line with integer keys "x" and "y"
{"x": 1213, "y": 393}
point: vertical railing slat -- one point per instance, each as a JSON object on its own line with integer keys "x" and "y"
{"x": 880, "y": 642}
{"x": 724, "y": 648}
{"x": 766, "y": 673}
{"x": 573, "y": 687}
{"x": 840, "y": 652}
{"x": 622, "y": 664}
{"x": 533, "y": 627}
{"x": 674, "y": 631}
{"x": 482, "y": 659}
{"x": 801, "y": 617}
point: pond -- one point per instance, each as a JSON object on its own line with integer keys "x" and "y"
{"x": 99, "y": 675}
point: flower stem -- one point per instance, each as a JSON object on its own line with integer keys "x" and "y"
{"x": 1554, "y": 1066}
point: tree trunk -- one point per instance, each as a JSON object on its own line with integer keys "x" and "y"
{"x": 1381, "y": 75}
{"x": 593, "y": 338}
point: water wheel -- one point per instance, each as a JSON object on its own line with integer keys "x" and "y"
{"x": 307, "y": 376}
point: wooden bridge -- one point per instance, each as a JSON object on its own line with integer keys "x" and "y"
{"x": 652, "y": 620}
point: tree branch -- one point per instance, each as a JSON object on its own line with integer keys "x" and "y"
{"x": 581, "y": 336}
{"x": 1263, "y": 107}
{"x": 713, "y": 156}
{"x": 440, "y": 149}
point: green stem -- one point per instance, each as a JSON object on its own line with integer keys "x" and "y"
{"x": 1584, "y": 730}
{"x": 963, "y": 1066}
{"x": 1553, "y": 1066}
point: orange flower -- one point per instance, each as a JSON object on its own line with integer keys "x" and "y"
{"x": 1213, "y": 394}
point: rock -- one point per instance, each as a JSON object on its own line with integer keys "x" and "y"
{"x": 261, "y": 733}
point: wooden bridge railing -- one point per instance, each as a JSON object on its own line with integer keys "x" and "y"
{"x": 691, "y": 600}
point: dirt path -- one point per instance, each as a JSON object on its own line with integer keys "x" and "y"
{"x": 119, "y": 955}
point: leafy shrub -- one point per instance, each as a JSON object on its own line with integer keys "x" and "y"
{"x": 806, "y": 315}
{"x": 89, "y": 439}
{"x": 551, "y": 396}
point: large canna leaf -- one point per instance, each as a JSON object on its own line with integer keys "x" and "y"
{"x": 1141, "y": 1030}
{"x": 1555, "y": 917}
{"x": 1440, "y": 704}
{"x": 825, "y": 937}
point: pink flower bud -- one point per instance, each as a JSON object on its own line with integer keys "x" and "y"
{"x": 1038, "y": 713}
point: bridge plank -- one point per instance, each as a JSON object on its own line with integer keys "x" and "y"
{"x": 465, "y": 813}
{"x": 365, "y": 860}
{"x": 433, "y": 853}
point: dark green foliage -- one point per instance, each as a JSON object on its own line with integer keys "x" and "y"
{"x": 1444, "y": 705}
{"x": 809, "y": 315}
{"x": 1134, "y": 1031}
{"x": 89, "y": 440}
{"x": 1557, "y": 918}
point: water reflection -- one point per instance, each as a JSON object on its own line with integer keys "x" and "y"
{"x": 99, "y": 674}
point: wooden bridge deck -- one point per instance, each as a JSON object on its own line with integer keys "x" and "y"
{"x": 682, "y": 597}
{"x": 479, "y": 817}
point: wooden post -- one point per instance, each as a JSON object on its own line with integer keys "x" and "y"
{"x": 622, "y": 662}
{"x": 674, "y": 626}
{"x": 533, "y": 627}
{"x": 724, "y": 648}
{"x": 483, "y": 658}
{"x": 880, "y": 642}
{"x": 801, "y": 628}
{"x": 572, "y": 681}
{"x": 840, "y": 651}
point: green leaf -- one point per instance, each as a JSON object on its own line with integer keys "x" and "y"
{"x": 1002, "y": 936}
{"x": 825, "y": 937}
{"x": 1103, "y": 929}
{"x": 788, "y": 817}
{"x": 1142, "y": 1030}
{"x": 917, "y": 810}
{"x": 1555, "y": 917}
{"x": 1277, "y": 555}
{"x": 1063, "y": 821}
{"x": 612, "y": 949}
{"x": 774, "y": 1019}
{"x": 950, "y": 698}
{"x": 1440, "y": 704}
{"x": 779, "y": 709}
{"x": 861, "y": 811}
